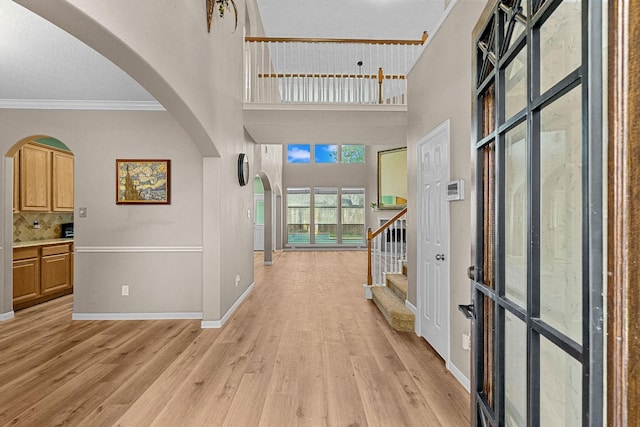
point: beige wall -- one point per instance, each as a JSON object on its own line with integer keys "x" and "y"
{"x": 118, "y": 244}
{"x": 440, "y": 89}
{"x": 171, "y": 60}
{"x": 197, "y": 77}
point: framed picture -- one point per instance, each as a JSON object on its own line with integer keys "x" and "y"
{"x": 143, "y": 182}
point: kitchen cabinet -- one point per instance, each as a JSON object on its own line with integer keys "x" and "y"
{"x": 55, "y": 264}
{"x": 26, "y": 275}
{"x": 41, "y": 272}
{"x": 35, "y": 178}
{"x": 62, "y": 183}
{"x": 43, "y": 179}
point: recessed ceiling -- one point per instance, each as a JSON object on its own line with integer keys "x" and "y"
{"x": 42, "y": 62}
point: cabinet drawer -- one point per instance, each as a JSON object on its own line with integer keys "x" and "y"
{"x": 25, "y": 253}
{"x": 55, "y": 250}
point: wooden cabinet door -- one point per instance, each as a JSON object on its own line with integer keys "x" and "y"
{"x": 26, "y": 280}
{"x": 71, "y": 266}
{"x": 35, "y": 178}
{"x": 16, "y": 182}
{"x": 62, "y": 191}
{"x": 55, "y": 273}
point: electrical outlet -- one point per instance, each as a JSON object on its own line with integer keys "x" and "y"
{"x": 466, "y": 341}
{"x": 125, "y": 290}
{"x": 237, "y": 280}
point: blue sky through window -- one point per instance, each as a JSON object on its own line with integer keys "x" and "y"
{"x": 298, "y": 153}
{"x": 326, "y": 153}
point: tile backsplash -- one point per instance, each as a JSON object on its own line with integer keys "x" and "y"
{"x": 50, "y": 225}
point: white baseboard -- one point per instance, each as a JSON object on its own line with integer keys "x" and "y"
{"x": 6, "y": 316}
{"x": 416, "y": 323}
{"x": 216, "y": 324}
{"x": 462, "y": 379}
{"x": 136, "y": 316}
{"x": 412, "y": 308}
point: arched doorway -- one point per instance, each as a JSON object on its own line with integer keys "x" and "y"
{"x": 265, "y": 214}
{"x": 42, "y": 221}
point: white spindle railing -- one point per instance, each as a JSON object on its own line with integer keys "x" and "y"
{"x": 284, "y": 70}
{"x": 387, "y": 248}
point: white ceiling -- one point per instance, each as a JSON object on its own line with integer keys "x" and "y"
{"x": 367, "y": 19}
{"x": 42, "y": 62}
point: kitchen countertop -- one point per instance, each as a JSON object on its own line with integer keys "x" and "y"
{"x": 45, "y": 242}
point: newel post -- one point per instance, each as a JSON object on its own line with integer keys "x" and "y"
{"x": 380, "y": 79}
{"x": 369, "y": 238}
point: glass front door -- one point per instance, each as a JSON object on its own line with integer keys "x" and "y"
{"x": 537, "y": 273}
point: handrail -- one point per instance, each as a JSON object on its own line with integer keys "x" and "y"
{"x": 336, "y": 76}
{"x": 425, "y": 35}
{"x": 372, "y": 234}
{"x": 389, "y": 223}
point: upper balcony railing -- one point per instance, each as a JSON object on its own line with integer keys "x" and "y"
{"x": 345, "y": 71}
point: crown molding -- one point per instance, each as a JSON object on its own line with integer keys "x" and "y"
{"x": 54, "y": 104}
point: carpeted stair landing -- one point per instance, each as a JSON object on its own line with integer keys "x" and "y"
{"x": 390, "y": 301}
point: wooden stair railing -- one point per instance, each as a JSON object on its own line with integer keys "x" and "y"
{"x": 328, "y": 70}
{"x": 397, "y": 236}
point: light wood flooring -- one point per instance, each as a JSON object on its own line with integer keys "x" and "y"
{"x": 305, "y": 348}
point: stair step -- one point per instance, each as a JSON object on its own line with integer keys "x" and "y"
{"x": 393, "y": 309}
{"x": 398, "y": 284}
{"x": 404, "y": 267}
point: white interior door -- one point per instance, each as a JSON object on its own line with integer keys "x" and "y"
{"x": 258, "y": 225}
{"x": 433, "y": 271}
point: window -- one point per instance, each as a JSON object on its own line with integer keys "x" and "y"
{"x": 298, "y": 215}
{"x": 326, "y": 153}
{"x": 352, "y": 153}
{"x": 325, "y": 204}
{"x": 353, "y": 215}
{"x": 298, "y": 153}
{"x": 338, "y": 216}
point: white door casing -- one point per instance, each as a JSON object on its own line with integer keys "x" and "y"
{"x": 258, "y": 224}
{"x": 433, "y": 246}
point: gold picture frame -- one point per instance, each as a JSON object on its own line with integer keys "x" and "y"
{"x": 143, "y": 181}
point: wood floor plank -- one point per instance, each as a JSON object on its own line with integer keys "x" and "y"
{"x": 153, "y": 399}
{"x": 304, "y": 349}
{"x": 137, "y": 365}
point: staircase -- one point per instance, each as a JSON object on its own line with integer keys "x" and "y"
{"x": 390, "y": 298}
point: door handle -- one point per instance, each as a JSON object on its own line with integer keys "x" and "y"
{"x": 467, "y": 311}
{"x": 439, "y": 257}
{"x": 471, "y": 272}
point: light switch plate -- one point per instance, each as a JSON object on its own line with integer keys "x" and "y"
{"x": 82, "y": 212}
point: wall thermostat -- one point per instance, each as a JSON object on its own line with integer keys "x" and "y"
{"x": 455, "y": 190}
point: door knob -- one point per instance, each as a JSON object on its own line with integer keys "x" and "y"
{"x": 439, "y": 257}
{"x": 467, "y": 311}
